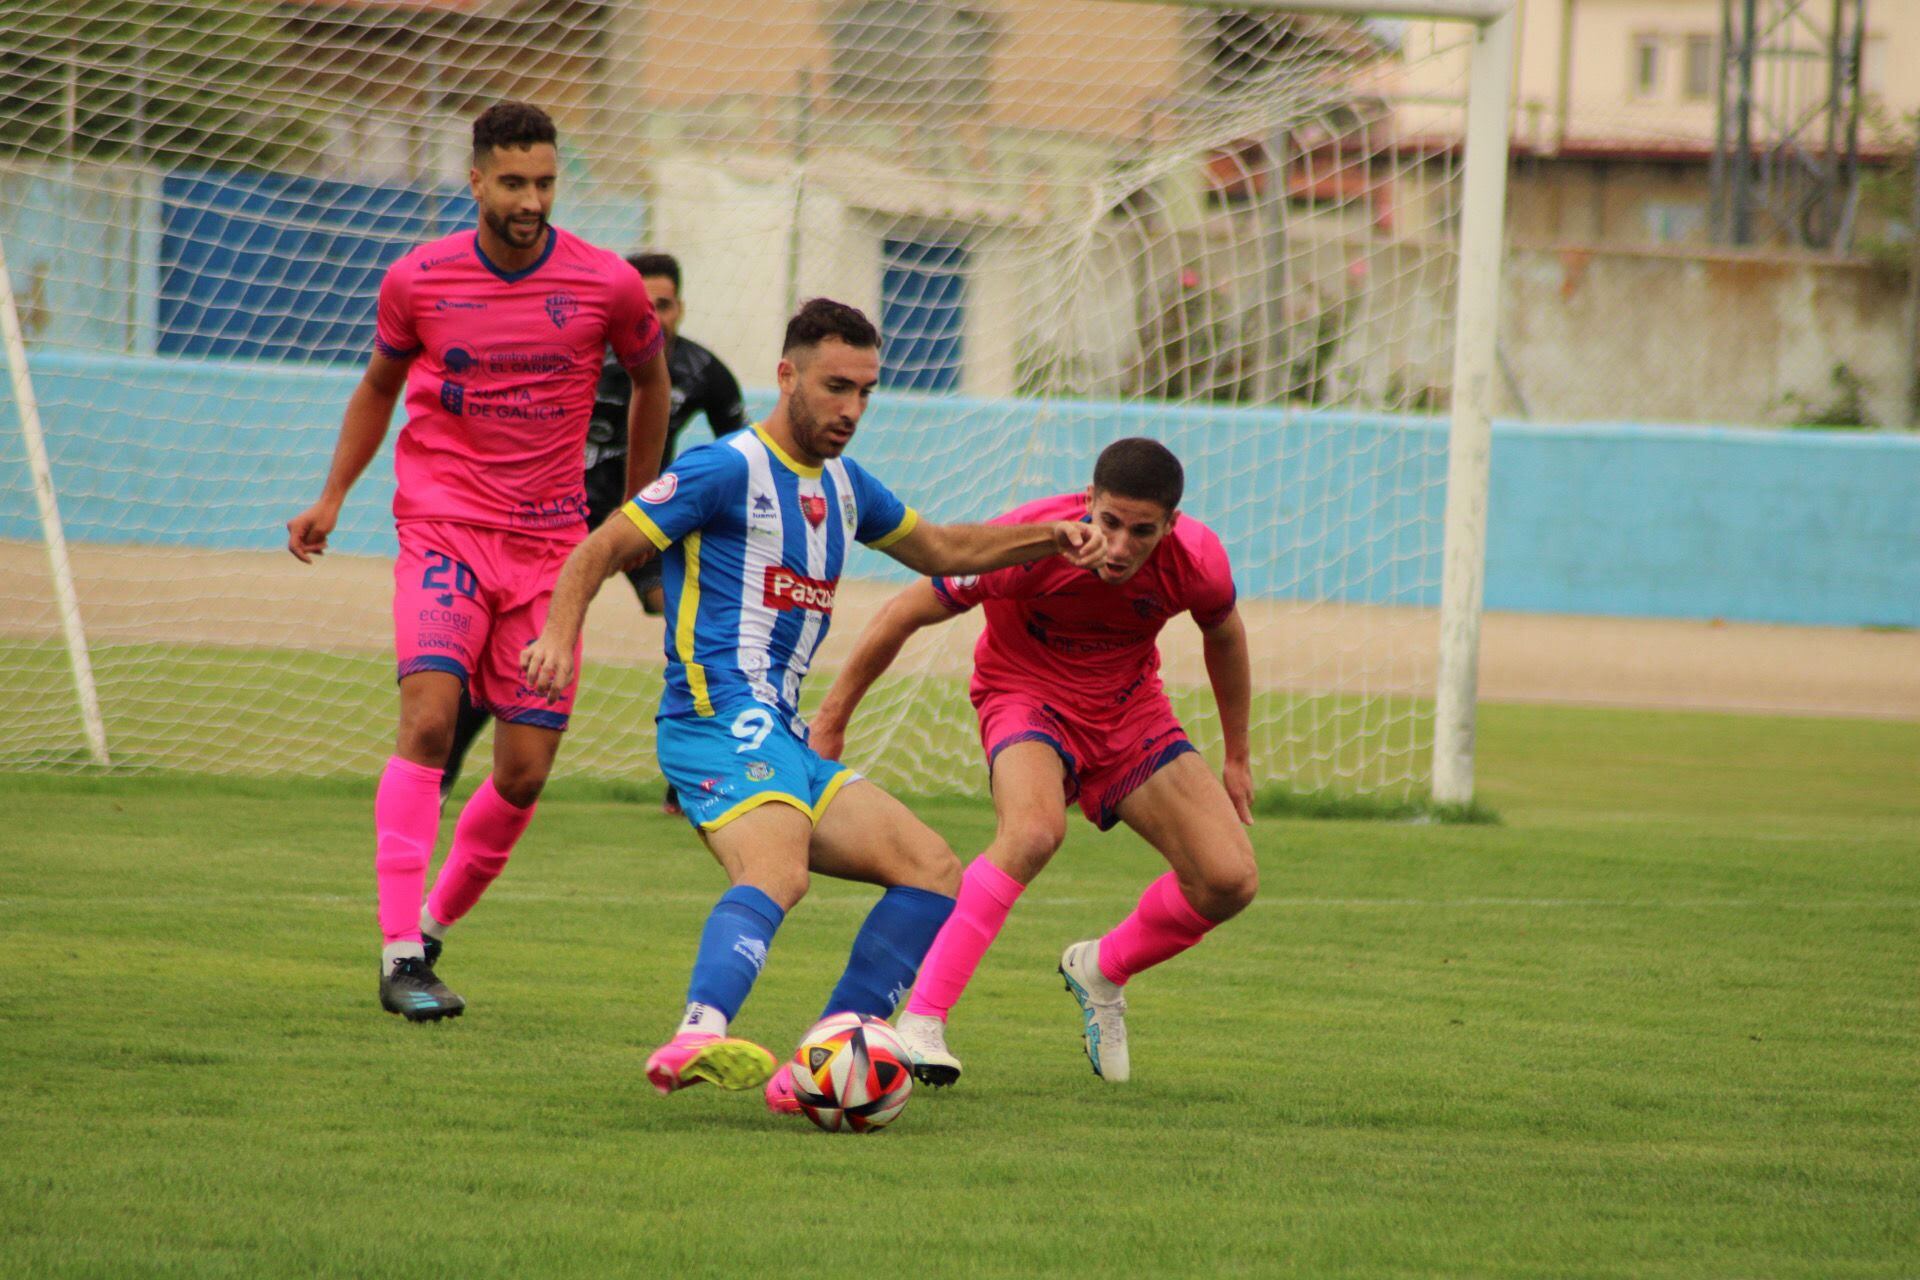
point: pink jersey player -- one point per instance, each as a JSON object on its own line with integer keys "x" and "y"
{"x": 1071, "y": 661}
{"x": 500, "y": 387}
{"x": 498, "y": 336}
{"x": 1066, "y": 682}
{"x": 502, "y": 376}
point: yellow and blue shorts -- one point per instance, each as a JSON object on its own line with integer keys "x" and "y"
{"x": 740, "y": 759}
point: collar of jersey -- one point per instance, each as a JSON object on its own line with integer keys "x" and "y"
{"x": 798, "y": 468}
{"x": 553, "y": 238}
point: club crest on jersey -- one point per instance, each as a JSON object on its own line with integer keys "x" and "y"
{"x": 814, "y": 508}
{"x": 786, "y": 590}
{"x": 759, "y": 770}
{"x": 662, "y": 489}
{"x": 562, "y": 307}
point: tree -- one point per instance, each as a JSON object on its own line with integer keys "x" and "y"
{"x": 171, "y": 80}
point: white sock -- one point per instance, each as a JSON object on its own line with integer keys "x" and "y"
{"x": 431, "y": 928}
{"x": 703, "y": 1018}
{"x": 394, "y": 952}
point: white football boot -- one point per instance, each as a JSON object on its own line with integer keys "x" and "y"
{"x": 926, "y": 1041}
{"x": 1103, "y": 1006}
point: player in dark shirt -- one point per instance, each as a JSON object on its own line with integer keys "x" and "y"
{"x": 701, "y": 385}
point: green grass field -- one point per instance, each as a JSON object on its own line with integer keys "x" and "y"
{"x": 222, "y": 709}
{"x": 1660, "y": 1021}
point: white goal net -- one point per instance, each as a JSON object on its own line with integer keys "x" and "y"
{"x": 1234, "y": 231}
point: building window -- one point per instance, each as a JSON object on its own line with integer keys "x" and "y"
{"x": 1701, "y": 71}
{"x": 912, "y": 54}
{"x": 923, "y": 312}
{"x": 1674, "y": 222}
{"x": 1646, "y": 66}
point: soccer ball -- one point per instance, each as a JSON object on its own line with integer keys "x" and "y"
{"x": 852, "y": 1073}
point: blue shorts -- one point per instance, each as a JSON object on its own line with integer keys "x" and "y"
{"x": 741, "y": 759}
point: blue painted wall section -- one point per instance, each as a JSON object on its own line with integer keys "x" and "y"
{"x": 266, "y": 266}
{"x": 1622, "y": 519}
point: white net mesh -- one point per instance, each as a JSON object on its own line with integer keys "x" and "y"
{"x": 1073, "y": 221}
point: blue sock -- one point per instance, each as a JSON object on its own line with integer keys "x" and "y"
{"x": 733, "y": 947}
{"x": 888, "y": 950}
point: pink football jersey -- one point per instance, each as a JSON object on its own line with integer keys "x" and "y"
{"x": 504, "y": 369}
{"x": 1065, "y": 637}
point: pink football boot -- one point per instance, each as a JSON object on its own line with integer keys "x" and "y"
{"x": 691, "y": 1057}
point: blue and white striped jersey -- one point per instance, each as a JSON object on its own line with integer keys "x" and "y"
{"x": 753, "y": 543}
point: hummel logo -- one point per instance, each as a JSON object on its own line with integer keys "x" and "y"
{"x": 754, "y": 949}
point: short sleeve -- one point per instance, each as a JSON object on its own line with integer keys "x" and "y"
{"x": 1211, "y": 594}
{"x": 687, "y": 495}
{"x": 961, "y": 593}
{"x": 393, "y": 333}
{"x": 884, "y": 519}
{"x": 633, "y": 329}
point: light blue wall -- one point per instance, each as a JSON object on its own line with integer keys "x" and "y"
{"x": 1622, "y": 519}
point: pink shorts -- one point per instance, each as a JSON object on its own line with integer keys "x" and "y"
{"x": 1104, "y": 766}
{"x": 467, "y": 600}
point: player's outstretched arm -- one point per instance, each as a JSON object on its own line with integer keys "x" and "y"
{"x": 361, "y": 431}
{"x": 1225, "y": 648}
{"x": 547, "y": 663}
{"x": 939, "y": 550}
{"x": 647, "y": 415}
{"x": 873, "y": 653}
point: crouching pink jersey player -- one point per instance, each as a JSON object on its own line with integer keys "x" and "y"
{"x": 1066, "y": 683}
{"x": 497, "y": 335}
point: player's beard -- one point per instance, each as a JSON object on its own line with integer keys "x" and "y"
{"x": 808, "y": 432}
{"x": 509, "y": 233}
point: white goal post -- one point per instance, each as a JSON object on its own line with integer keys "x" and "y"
{"x": 47, "y": 505}
{"x": 1477, "y": 314}
{"x": 1266, "y": 232}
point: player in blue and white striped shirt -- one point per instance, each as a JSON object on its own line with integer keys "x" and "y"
{"x": 755, "y": 528}
{"x": 754, "y": 541}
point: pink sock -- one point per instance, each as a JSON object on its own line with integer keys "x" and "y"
{"x": 986, "y": 895}
{"x": 406, "y": 822}
{"x": 1160, "y": 928}
{"x": 483, "y": 839}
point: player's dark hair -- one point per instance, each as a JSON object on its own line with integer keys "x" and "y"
{"x": 657, "y": 264}
{"x": 1140, "y": 468}
{"x": 821, "y": 318}
{"x": 511, "y": 124}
